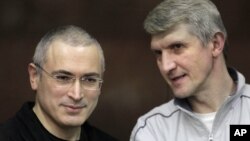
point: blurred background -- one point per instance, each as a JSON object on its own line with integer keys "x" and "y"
{"x": 133, "y": 84}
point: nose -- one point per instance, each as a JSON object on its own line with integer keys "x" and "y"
{"x": 166, "y": 63}
{"x": 76, "y": 91}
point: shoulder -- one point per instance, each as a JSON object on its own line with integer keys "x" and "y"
{"x": 152, "y": 122}
{"x": 246, "y": 91}
{"x": 163, "y": 111}
{"x": 8, "y": 129}
{"x": 95, "y": 134}
{"x": 242, "y": 87}
{"x": 16, "y": 126}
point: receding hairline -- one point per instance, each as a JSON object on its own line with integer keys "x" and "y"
{"x": 71, "y": 35}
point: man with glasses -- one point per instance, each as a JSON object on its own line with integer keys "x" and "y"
{"x": 66, "y": 73}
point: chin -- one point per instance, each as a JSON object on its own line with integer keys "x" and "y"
{"x": 181, "y": 95}
{"x": 75, "y": 121}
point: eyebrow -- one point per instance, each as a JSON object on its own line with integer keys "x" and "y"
{"x": 69, "y": 73}
{"x": 91, "y": 74}
{"x": 62, "y": 72}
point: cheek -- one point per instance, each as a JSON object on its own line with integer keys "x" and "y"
{"x": 204, "y": 61}
{"x": 201, "y": 67}
{"x": 93, "y": 96}
{"x": 92, "y": 99}
{"x": 198, "y": 59}
{"x": 48, "y": 97}
{"x": 55, "y": 91}
{"x": 160, "y": 67}
{"x": 52, "y": 93}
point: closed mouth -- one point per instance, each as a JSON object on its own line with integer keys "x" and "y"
{"x": 73, "y": 106}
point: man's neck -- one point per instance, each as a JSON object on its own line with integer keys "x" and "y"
{"x": 210, "y": 100}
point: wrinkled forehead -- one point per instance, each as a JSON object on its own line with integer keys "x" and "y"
{"x": 177, "y": 31}
{"x": 64, "y": 49}
{"x": 61, "y": 53}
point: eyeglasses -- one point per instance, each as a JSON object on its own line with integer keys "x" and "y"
{"x": 66, "y": 80}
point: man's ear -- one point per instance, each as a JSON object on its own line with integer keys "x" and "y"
{"x": 33, "y": 75}
{"x": 218, "y": 42}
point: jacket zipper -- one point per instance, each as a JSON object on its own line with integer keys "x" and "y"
{"x": 211, "y": 137}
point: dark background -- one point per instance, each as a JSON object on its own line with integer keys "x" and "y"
{"x": 133, "y": 84}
